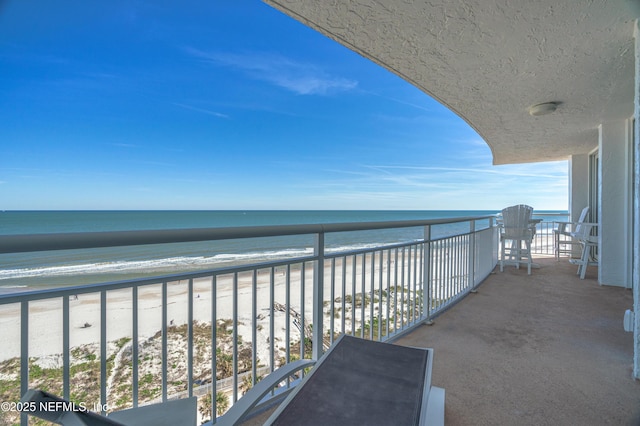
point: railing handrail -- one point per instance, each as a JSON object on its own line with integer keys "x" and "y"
{"x": 22, "y": 243}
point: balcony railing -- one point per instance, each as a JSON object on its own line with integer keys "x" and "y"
{"x": 213, "y": 333}
{"x": 544, "y": 239}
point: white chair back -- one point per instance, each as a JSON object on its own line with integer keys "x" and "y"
{"x": 583, "y": 217}
{"x": 516, "y": 221}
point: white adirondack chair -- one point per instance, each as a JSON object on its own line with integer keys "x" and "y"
{"x": 589, "y": 243}
{"x": 566, "y": 236}
{"x": 516, "y": 230}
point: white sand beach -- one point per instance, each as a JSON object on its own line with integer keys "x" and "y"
{"x": 45, "y": 317}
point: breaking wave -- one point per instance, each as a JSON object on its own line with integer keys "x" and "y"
{"x": 177, "y": 263}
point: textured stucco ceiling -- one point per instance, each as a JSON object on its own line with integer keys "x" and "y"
{"x": 490, "y": 60}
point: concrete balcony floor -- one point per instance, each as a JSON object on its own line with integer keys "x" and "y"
{"x": 544, "y": 349}
{"x": 540, "y": 349}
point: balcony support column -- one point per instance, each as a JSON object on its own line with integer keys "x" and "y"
{"x": 614, "y": 204}
{"x": 318, "y": 294}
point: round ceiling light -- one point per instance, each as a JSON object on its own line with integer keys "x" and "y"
{"x": 543, "y": 109}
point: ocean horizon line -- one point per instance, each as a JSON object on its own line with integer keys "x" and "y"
{"x": 263, "y": 210}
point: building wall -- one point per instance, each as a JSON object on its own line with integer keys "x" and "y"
{"x": 578, "y": 184}
{"x": 615, "y": 204}
{"x": 578, "y": 190}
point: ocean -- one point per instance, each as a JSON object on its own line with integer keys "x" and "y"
{"x": 27, "y": 271}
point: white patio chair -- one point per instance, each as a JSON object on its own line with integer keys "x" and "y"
{"x": 516, "y": 230}
{"x": 570, "y": 232}
{"x": 589, "y": 243}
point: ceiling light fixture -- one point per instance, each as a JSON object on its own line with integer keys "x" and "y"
{"x": 543, "y": 109}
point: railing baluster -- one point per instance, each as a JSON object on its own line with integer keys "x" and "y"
{"x": 380, "y": 297}
{"x": 24, "y": 354}
{"x": 164, "y": 341}
{"x": 254, "y": 329}
{"x": 214, "y": 347}
{"x": 272, "y": 339}
{"x": 388, "y": 292}
{"x": 190, "y": 339}
{"x": 371, "y": 295}
{"x": 363, "y": 292}
{"x": 428, "y": 282}
{"x": 415, "y": 284}
{"x": 344, "y": 294}
{"x": 448, "y": 267}
{"x": 409, "y": 250}
{"x": 332, "y": 307}
{"x": 442, "y": 284}
{"x": 438, "y": 274}
{"x": 465, "y": 250}
{"x": 395, "y": 290}
{"x": 444, "y": 252}
{"x": 449, "y": 264}
{"x": 287, "y": 331}
{"x": 303, "y": 281}
{"x": 421, "y": 284}
{"x": 66, "y": 359}
{"x": 454, "y": 265}
{"x": 134, "y": 345}
{"x": 318, "y": 295}
{"x": 353, "y": 295}
{"x": 455, "y": 262}
{"x": 235, "y": 337}
{"x": 433, "y": 266}
{"x": 402, "y": 288}
{"x": 103, "y": 349}
{"x": 472, "y": 253}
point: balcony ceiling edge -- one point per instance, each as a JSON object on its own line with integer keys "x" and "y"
{"x": 489, "y": 61}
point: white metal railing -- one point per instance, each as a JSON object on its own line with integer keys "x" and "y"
{"x": 129, "y": 343}
{"x": 544, "y": 238}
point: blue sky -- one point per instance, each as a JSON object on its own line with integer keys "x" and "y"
{"x": 226, "y": 105}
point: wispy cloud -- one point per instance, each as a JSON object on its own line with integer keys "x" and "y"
{"x": 299, "y": 77}
{"x": 153, "y": 163}
{"x": 390, "y": 186}
{"x": 202, "y": 110}
{"x": 400, "y": 101}
{"x": 124, "y": 145}
{"x": 518, "y": 171}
